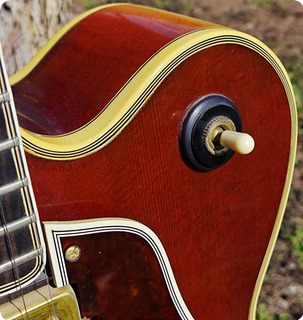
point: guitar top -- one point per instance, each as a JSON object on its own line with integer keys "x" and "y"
{"x": 146, "y": 212}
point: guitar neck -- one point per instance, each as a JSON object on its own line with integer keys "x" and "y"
{"x": 23, "y": 251}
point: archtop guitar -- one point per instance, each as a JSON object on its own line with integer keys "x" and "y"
{"x": 161, "y": 150}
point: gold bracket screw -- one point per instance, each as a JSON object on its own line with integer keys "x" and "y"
{"x": 72, "y": 254}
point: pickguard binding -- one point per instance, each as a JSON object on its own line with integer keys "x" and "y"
{"x": 59, "y": 232}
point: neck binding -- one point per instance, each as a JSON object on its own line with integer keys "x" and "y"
{"x": 22, "y": 256}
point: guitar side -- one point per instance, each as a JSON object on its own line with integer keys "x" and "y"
{"x": 118, "y": 157}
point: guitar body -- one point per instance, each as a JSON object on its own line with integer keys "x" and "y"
{"x": 101, "y": 110}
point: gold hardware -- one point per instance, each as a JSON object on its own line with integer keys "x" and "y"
{"x": 220, "y": 135}
{"x": 72, "y": 254}
{"x": 212, "y": 134}
{"x": 39, "y": 305}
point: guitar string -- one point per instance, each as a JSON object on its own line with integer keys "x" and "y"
{"x": 28, "y": 202}
{"x": 12, "y": 258}
{"x": 30, "y": 209}
{"x": 51, "y": 297}
{"x": 45, "y": 298}
{"x": 12, "y": 302}
{"x": 15, "y": 270}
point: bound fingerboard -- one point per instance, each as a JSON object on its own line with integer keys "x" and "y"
{"x": 22, "y": 253}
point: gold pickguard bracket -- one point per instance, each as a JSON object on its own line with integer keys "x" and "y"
{"x": 39, "y": 305}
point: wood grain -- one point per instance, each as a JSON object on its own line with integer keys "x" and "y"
{"x": 106, "y": 49}
{"x": 214, "y": 226}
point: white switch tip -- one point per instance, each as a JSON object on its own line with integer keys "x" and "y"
{"x": 237, "y": 141}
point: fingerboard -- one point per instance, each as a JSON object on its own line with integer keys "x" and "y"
{"x": 22, "y": 249}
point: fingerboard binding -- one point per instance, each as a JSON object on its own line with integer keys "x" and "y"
{"x": 23, "y": 254}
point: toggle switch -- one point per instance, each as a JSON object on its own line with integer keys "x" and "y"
{"x": 211, "y": 133}
{"x": 220, "y": 135}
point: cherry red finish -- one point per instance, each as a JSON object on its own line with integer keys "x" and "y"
{"x": 214, "y": 226}
{"x": 91, "y": 63}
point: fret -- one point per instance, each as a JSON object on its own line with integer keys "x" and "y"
{"x": 21, "y": 259}
{"x": 4, "y": 97}
{"x": 16, "y": 225}
{"x": 15, "y": 244}
{"x": 18, "y": 242}
{"x": 40, "y": 282}
{"x": 9, "y": 144}
{"x": 11, "y": 187}
{"x": 20, "y": 231}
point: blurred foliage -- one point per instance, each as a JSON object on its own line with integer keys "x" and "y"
{"x": 170, "y": 5}
{"x": 263, "y": 313}
{"x": 88, "y": 4}
{"x": 175, "y": 6}
{"x": 294, "y": 68}
{"x": 264, "y": 2}
{"x": 296, "y": 240}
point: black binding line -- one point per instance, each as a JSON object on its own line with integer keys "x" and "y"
{"x": 133, "y": 230}
{"x": 103, "y": 140}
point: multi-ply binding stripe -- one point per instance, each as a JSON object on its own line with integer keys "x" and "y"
{"x": 226, "y": 36}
